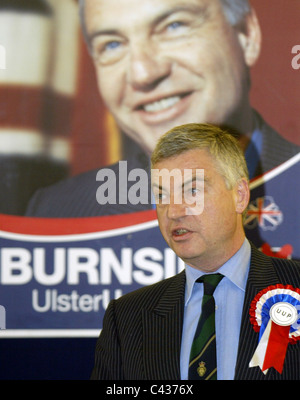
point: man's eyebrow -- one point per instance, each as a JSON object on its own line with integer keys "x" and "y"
{"x": 194, "y": 179}
{"x": 157, "y": 186}
{"x": 102, "y": 32}
{"x": 191, "y": 8}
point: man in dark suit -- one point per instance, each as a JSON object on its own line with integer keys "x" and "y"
{"x": 147, "y": 334}
{"x": 161, "y": 64}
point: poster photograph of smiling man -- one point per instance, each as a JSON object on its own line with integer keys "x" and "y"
{"x": 85, "y": 96}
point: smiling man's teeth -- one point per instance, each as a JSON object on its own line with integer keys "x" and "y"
{"x": 162, "y": 104}
{"x": 180, "y": 231}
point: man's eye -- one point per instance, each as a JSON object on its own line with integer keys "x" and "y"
{"x": 193, "y": 192}
{"x": 112, "y": 45}
{"x": 159, "y": 197}
{"x": 175, "y": 25}
{"x": 107, "y": 51}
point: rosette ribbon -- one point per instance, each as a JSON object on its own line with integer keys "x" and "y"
{"x": 275, "y": 314}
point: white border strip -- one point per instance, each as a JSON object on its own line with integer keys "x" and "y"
{"x": 49, "y": 333}
{"x": 275, "y": 172}
{"x": 80, "y": 237}
{"x": 26, "y": 142}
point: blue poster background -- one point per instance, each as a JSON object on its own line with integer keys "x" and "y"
{"x": 66, "y": 282}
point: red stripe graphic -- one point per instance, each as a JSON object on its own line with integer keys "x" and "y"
{"x": 21, "y": 106}
{"x": 71, "y": 226}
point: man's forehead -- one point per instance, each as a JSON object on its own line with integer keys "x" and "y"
{"x": 188, "y": 166}
{"x": 107, "y": 12}
{"x": 192, "y": 159}
{"x": 181, "y": 175}
{"x": 153, "y": 4}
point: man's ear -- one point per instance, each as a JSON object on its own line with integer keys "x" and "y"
{"x": 242, "y": 195}
{"x": 249, "y": 36}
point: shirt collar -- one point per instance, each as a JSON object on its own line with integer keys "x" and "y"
{"x": 235, "y": 269}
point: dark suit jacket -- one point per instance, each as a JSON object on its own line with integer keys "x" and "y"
{"x": 141, "y": 333}
{"x": 76, "y": 196}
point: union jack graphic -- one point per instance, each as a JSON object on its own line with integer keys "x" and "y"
{"x": 263, "y": 212}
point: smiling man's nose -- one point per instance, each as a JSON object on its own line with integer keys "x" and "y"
{"x": 147, "y": 67}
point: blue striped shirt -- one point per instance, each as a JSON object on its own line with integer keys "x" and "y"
{"x": 229, "y": 298}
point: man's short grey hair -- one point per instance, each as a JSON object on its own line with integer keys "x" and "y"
{"x": 82, "y": 20}
{"x": 234, "y": 10}
{"x": 221, "y": 144}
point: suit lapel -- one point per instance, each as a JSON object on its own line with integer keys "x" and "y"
{"x": 162, "y": 328}
{"x": 261, "y": 275}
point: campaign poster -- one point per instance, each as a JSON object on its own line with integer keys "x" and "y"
{"x": 65, "y": 251}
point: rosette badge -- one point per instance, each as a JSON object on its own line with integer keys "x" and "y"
{"x": 275, "y": 314}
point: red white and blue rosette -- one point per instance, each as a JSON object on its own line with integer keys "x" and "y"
{"x": 275, "y": 314}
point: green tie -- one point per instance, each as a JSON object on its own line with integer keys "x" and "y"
{"x": 203, "y": 358}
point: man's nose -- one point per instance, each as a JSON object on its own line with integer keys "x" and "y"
{"x": 176, "y": 209}
{"x": 147, "y": 67}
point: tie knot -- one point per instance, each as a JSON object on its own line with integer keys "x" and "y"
{"x": 210, "y": 282}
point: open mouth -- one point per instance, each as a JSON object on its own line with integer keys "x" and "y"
{"x": 180, "y": 232}
{"x": 163, "y": 104}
